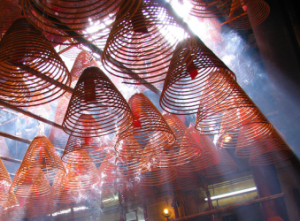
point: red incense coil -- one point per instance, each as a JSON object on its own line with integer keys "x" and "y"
{"x": 143, "y": 43}
{"x": 210, "y": 8}
{"x": 225, "y": 166}
{"x": 4, "y": 186}
{"x": 29, "y": 64}
{"x": 95, "y": 147}
{"x": 184, "y": 92}
{"x": 244, "y": 137}
{"x": 40, "y": 158}
{"x": 83, "y": 60}
{"x": 270, "y": 150}
{"x": 86, "y": 18}
{"x": 236, "y": 110}
{"x": 185, "y": 149}
{"x": 148, "y": 126}
{"x": 10, "y": 11}
{"x": 247, "y": 14}
{"x": 38, "y": 204}
{"x": 106, "y": 109}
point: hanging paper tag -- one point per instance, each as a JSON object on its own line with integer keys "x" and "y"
{"x": 137, "y": 122}
{"x": 191, "y": 68}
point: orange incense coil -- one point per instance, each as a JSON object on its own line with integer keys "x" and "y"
{"x": 185, "y": 148}
{"x": 148, "y": 126}
{"x": 10, "y": 11}
{"x": 4, "y": 186}
{"x": 209, "y": 156}
{"x": 29, "y": 66}
{"x": 210, "y": 8}
{"x": 95, "y": 147}
{"x": 106, "y": 109}
{"x": 204, "y": 80}
{"x": 86, "y": 18}
{"x": 247, "y": 14}
{"x": 83, "y": 60}
{"x": 244, "y": 137}
{"x": 40, "y": 158}
{"x": 12, "y": 210}
{"x": 236, "y": 110}
{"x": 129, "y": 148}
{"x": 269, "y": 150}
{"x": 143, "y": 42}
{"x": 225, "y": 166}
{"x": 38, "y": 204}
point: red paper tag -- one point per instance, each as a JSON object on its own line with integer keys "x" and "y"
{"x": 192, "y": 69}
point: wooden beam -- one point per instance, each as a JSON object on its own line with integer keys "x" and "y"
{"x": 227, "y": 208}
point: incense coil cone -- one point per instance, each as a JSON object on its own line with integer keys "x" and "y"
{"x": 38, "y": 204}
{"x": 29, "y": 64}
{"x": 270, "y": 150}
{"x": 148, "y": 126}
{"x": 142, "y": 43}
{"x": 96, "y": 107}
{"x": 233, "y": 112}
{"x": 12, "y": 210}
{"x": 62, "y": 20}
{"x": 209, "y": 156}
{"x": 210, "y": 8}
{"x": 10, "y": 11}
{"x": 247, "y": 14}
{"x": 95, "y": 147}
{"x": 244, "y": 137}
{"x": 185, "y": 149}
{"x": 4, "y": 186}
{"x": 129, "y": 148}
{"x": 225, "y": 166}
{"x": 200, "y": 79}
{"x": 40, "y": 158}
{"x": 83, "y": 60}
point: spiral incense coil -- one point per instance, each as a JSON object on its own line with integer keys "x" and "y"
{"x": 29, "y": 64}
{"x": 209, "y": 156}
{"x": 95, "y": 147}
{"x": 107, "y": 110}
{"x": 143, "y": 43}
{"x": 236, "y": 110}
{"x": 38, "y": 204}
{"x": 225, "y": 166}
{"x": 210, "y": 8}
{"x": 129, "y": 148}
{"x": 185, "y": 148}
{"x": 40, "y": 159}
{"x": 4, "y": 185}
{"x": 64, "y": 19}
{"x": 148, "y": 126}
{"x": 203, "y": 80}
{"x": 83, "y": 60}
{"x": 244, "y": 137}
{"x": 270, "y": 150}
{"x": 12, "y": 210}
{"x": 247, "y": 14}
{"x": 10, "y": 11}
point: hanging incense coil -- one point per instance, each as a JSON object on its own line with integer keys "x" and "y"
{"x": 12, "y": 210}
{"x": 236, "y": 110}
{"x": 269, "y": 150}
{"x": 225, "y": 166}
{"x": 204, "y": 80}
{"x": 64, "y": 19}
{"x": 210, "y": 8}
{"x": 4, "y": 186}
{"x": 95, "y": 147}
{"x": 148, "y": 126}
{"x": 244, "y": 137}
{"x": 143, "y": 43}
{"x": 31, "y": 65}
{"x": 10, "y": 11}
{"x": 37, "y": 203}
{"x": 96, "y": 107}
{"x": 185, "y": 149}
{"x": 247, "y": 14}
{"x": 83, "y": 60}
{"x": 40, "y": 159}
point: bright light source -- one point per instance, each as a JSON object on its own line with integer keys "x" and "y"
{"x": 251, "y": 189}
{"x": 166, "y": 211}
{"x": 227, "y": 139}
